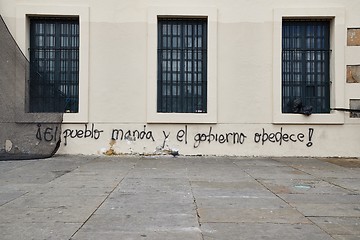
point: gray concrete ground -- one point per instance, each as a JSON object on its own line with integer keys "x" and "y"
{"x": 134, "y": 197}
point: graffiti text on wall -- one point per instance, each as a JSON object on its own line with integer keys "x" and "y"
{"x": 86, "y": 132}
{"x": 182, "y": 135}
{"x": 47, "y": 134}
{"x": 229, "y": 137}
{"x": 120, "y": 134}
{"x": 280, "y": 137}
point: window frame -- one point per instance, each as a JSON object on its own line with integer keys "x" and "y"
{"x": 337, "y": 64}
{"x": 62, "y": 76}
{"x": 153, "y": 116}
{"x": 22, "y": 36}
{"x": 182, "y": 81}
{"x": 306, "y": 69}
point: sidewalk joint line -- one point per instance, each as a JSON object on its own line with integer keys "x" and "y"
{"x": 102, "y": 202}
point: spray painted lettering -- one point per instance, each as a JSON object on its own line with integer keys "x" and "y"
{"x": 91, "y": 132}
{"x": 47, "y": 134}
{"x": 181, "y": 135}
{"x": 280, "y": 137}
{"x": 262, "y": 137}
{"x": 119, "y": 134}
{"x": 230, "y": 137}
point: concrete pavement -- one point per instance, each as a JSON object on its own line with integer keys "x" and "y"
{"x": 160, "y": 197}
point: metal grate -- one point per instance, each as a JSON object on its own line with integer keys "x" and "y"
{"x": 305, "y": 66}
{"x": 54, "y": 65}
{"x": 182, "y": 65}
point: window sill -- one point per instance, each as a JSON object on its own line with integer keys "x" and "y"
{"x": 181, "y": 118}
{"x": 75, "y": 117}
{"x": 331, "y": 118}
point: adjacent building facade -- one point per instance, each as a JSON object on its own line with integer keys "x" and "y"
{"x": 244, "y": 78}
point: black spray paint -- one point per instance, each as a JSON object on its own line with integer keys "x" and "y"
{"x": 91, "y": 132}
{"x": 229, "y": 137}
{"x": 311, "y": 132}
{"x": 281, "y": 137}
{"x": 120, "y": 134}
{"x": 232, "y": 137}
{"x": 182, "y": 134}
{"x": 47, "y": 134}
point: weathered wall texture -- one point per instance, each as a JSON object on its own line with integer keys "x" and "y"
{"x": 117, "y": 67}
{"x": 355, "y": 104}
{"x": 353, "y": 37}
{"x": 17, "y": 139}
{"x": 353, "y": 74}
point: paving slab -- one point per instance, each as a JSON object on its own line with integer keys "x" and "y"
{"x": 227, "y": 193}
{"x": 9, "y": 193}
{"x": 352, "y": 184}
{"x": 293, "y": 199}
{"x": 35, "y": 230}
{"x": 338, "y": 225}
{"x": 6, "y": 166}
{"x": 303, "y": 186}
{"x": 242, "y": 202}
{"x": 325, "y": 205}
{"x": 277, "y": 172}
{"x": 255, "y": 215}
{"x": 346, "y": 237}
{"x": 193, "y": 234}
{"x": 257, "y": 231}
{"x": 162, "y": 197}
{"x": 331, "y": 210}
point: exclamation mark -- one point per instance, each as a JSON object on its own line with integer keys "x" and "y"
{"x": 311, "y": 132}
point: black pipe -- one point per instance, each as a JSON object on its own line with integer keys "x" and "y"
{"x": 346, "y": 110}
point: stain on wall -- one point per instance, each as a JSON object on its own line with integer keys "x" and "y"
{"x": 353, "y": 73}
{"x": 355, "y": 104}
{"x": 353, "y": 36}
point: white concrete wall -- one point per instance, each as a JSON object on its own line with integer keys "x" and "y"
{"x": 117, "y": 75}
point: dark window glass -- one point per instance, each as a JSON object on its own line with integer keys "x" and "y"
{"x": 305, "y": 66}
{"x": 54, "y": 65}
{"x": 182, "y": 65}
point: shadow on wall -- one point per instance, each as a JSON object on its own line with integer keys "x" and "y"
{"x": 18, "y": 127}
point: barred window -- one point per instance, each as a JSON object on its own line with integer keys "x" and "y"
{"x": 182, "y": 65}
{"x": 305, "y": 66}
{"x": 54, "y": 65}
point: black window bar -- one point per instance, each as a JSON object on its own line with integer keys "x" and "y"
{"x": 54, "y": 65}
{"x": 305, "y": 66}
{"x": 182, "y": 65}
